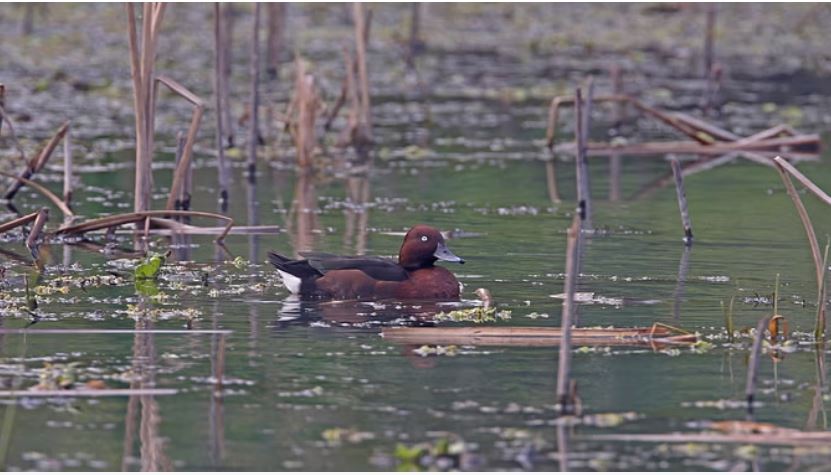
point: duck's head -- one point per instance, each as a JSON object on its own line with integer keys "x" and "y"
{"x": 423, "y": 245}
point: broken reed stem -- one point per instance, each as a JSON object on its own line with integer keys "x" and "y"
{"x": 585, "y": 184}
{"x": 582, "y": 181}
{"x": 219, "y": 78}
{"x": 183, "y": 200}
{"x": 38, "y": 161}
{"x": 16, "y": 223}
{"x": 812, "y": 241}
{"x": 564, "y": 363}
{"x": 682, "y": 201}
{"x": 306, "y": 103}
{"x": 43, "y": 191}
{"x": 2, "y": 104}
{"x": 67, "y": 168}
{"x": 361, "y": 39}
{"x": 254, "y": 68}
{"x": 180, "y": 173}
{"x": 37, "y": 229}
{"x": 113, "y": 221}
{"x": 753, "y": 365}
{"x": 806, "y": 182}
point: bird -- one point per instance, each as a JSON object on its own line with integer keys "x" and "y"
{"x": 320, "y": 275}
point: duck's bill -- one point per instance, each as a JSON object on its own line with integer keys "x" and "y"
{"x": 443, "y": 254}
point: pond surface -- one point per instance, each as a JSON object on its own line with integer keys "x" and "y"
{"x": 313, "y": 386}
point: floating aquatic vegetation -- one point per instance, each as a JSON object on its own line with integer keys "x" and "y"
{"x": 474, "y": 314}
{"x": 150, "y": 267}
{"x": 336, "y": 436}
{"x": 436, "y": 350}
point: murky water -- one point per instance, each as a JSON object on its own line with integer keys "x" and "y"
{"x": 312, "y": 386}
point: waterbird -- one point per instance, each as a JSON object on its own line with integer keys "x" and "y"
{"x": 322, "y": 275}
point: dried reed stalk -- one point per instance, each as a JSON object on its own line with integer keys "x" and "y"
{"x": 254, "y": 69}
{"x": 580, "y": 162}
{"x": 180, "y": 174}
{"x": 38, "y": 161}
{"x": 362, "y": 22}
{"x": 16, "y": 223}
{"x": 584, "y": 185}
{"x": 183, "y": 200}
{"x": 306, "y": 103}
{"x": 537, "y": 336}
{"x": 227, "y": 20}
{"x": 67, "y": 168}
{"x": 682, "y": 201}
{"x": 36, "y": 231}
{"x": 2, "y": 104}
{"x": 128, "y": 218}
{"x": 700, "y": 131}
{"x": 43, "y": 191}
{"x": 753, "y": 364}
{"x": 142, "y": 65}
{"x": 568, "y": 314}
{"x": 221, "y": 105}
{"x": 785, "y": 169}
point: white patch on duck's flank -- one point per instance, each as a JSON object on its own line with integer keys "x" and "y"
{"x": 292, "y": 282}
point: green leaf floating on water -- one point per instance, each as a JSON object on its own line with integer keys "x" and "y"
{"x": 149, "y": 269}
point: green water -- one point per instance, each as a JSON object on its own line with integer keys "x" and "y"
{"x": 293, "y": 372}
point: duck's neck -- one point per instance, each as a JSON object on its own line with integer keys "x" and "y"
{"x": 415, "y": 265}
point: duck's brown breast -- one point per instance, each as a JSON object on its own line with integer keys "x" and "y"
{"x": 429, "y": 283}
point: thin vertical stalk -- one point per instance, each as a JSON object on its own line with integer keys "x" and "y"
{"x": 682, "y": 201}
{"x": 219, "y": 78}
{"x": 180, "y": 148}
{"x": 564, "y": 364}
{"x": 581, "y": 152}
{"x": 227, "y": 21}
{"x": 2, "y": 103}
{"x": 584, "y": 140}
{"x": 361, "y": 39}
{"x": 67, "y": 168}
{"x": 753, "y": 365}
{"x": 819, "y": 329}
{"x": 254, "y": 69}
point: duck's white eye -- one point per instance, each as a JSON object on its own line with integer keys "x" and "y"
{"x": 424, "y": 238}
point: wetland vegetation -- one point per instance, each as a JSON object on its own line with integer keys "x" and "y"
{"x": 150, "y": 170}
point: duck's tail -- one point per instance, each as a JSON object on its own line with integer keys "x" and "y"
{"x": 294, "y": 272}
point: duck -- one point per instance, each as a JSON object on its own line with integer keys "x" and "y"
{"x": 320, "y": 275}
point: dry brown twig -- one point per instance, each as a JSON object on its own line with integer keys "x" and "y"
{"x": 38, "y": 161}
{"x": 180, "y": 174}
